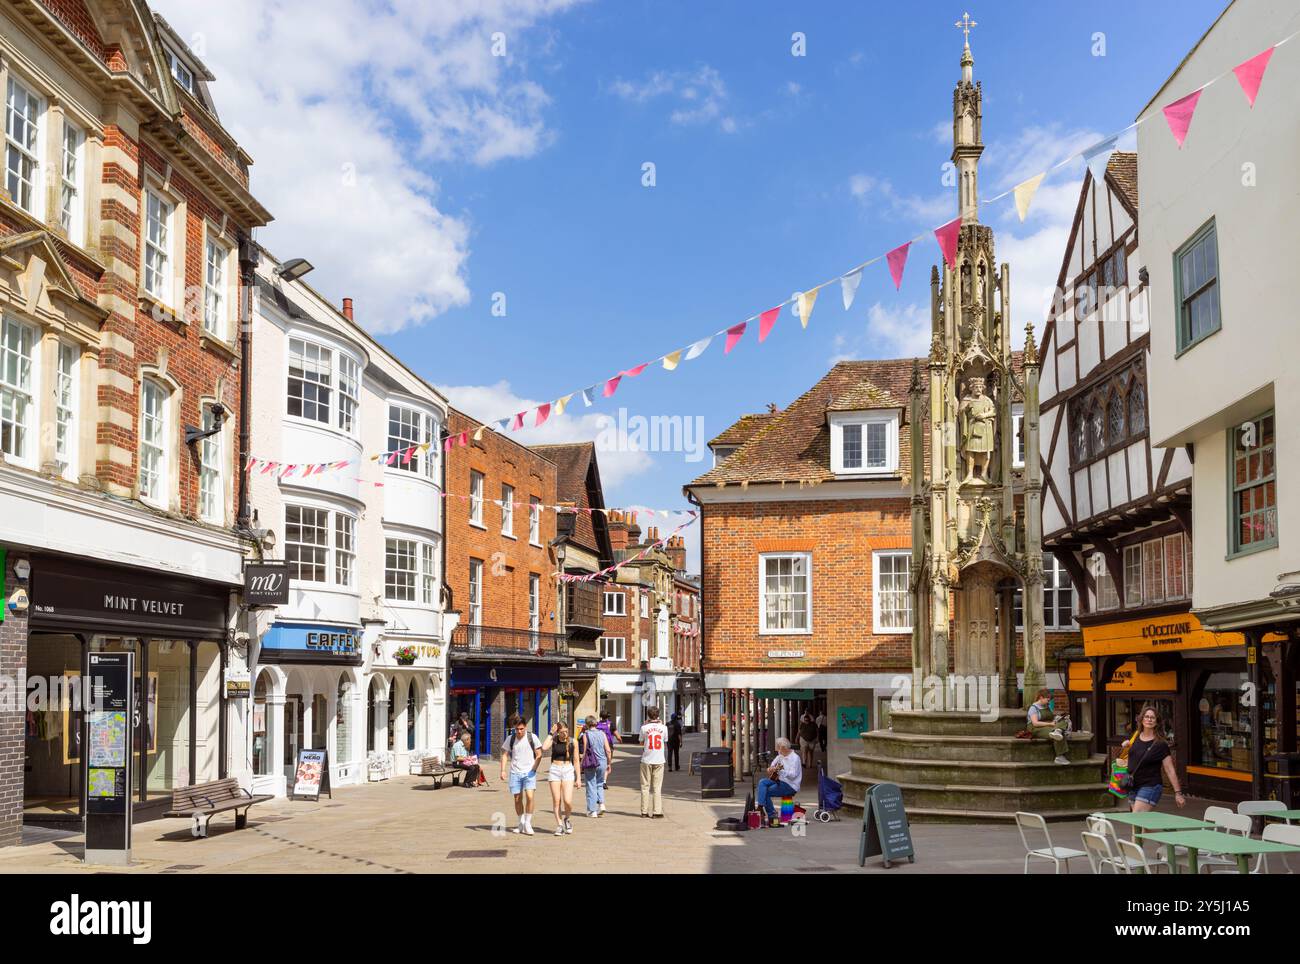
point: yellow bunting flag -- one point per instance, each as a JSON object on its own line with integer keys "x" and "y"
{"x": 806, "y": 301}
{"x": 561, "y": 404}
{"x": 1025, "y": 191}
{"x": 478, "y": 436}
{"x": 670, "y": 361}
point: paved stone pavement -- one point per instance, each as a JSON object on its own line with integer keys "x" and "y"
{"x": 405, "y": 826}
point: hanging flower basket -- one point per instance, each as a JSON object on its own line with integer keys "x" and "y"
{"x": 405, "y": 656}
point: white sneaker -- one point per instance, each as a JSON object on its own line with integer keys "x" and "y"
{"x": 559, "y": 831}
{"x": 528, "y": 829}
{"x": 602, "y": 808}
{"x": 568, "y": 825}
{"x": 1063, "y": 761}
{"x": 592, "y": 813}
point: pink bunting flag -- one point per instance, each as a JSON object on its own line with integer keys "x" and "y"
{"x": 464, "y": 439}
{"x": 248, "y": 466}
{"x": 765, "y": 322}
{"x": 897, "y": 261}
{"x": 518, "y": 422}
{"x": 947, "y": 238}
{"x": 268, "y": 467}
{"x": 392, "y": 459}
{"x": 611, "y": 386}
{"x": 1178, "y": 116}
{"x": 406, "y": 456}
{"x": 1251, "y": 73}
{"x": 543, "y": 413}
{"x": 734, "y": 334}
{"x": 446, "y": 444}
{"x": 633, "y": 372}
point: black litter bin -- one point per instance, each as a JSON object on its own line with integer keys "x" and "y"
{"x": 716, "y": 776}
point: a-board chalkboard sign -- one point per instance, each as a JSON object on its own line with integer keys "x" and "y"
{"x": 311, "y": 776}
{"x": 884, "y": 826}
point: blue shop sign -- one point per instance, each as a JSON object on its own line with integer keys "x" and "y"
{"x": 473, "y": 677}
{"x": 311, "y": 643}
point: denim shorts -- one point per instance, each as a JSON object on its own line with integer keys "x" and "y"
{"x": 519, "y": 782}
{"x": 1149, "y": 795}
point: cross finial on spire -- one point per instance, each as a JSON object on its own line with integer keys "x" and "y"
{"x": 964, "y": 25}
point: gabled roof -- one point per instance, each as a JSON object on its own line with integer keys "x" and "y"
{"x": 578, "y": 481}
{"x": 794, "y": 445}
{"x": 1122, "y": 170}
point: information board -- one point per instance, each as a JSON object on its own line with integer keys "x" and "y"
{"x": 311, "y": 777}
{"x": 885, "y": 832}
{"x": 108, "y": 760}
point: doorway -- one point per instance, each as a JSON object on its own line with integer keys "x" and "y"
{"x": 293, "y": 720}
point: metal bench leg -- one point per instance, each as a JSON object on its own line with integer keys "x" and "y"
{"x": 241, "y": 819}
{"x": 199, "y": 828}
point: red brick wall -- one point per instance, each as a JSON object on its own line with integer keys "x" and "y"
{"x": 13, "y": 664}
{"x": 632, "y": 627}
{"x": 505, "y": 592}
{"x": 77, "y": 19}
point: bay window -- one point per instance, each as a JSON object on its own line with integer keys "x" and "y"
{"x": 408, "y": 427}
{"x": 785, "y": 593}
{"x": 306, "y": 543}
{"x": 345, "y": 548}
{"x": 310, "y": 378}
{"x": 400, "y": 570}
{"x": 891, "y": 595}
{"x": 17, "y": 391}
{"x": 349, "y": 393}
{"x": 427, "y": 573}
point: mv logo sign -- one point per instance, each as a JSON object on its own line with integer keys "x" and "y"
{"x": 266, "y": 584}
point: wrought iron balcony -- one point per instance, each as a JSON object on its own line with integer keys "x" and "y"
{"x": 475, "y": 637}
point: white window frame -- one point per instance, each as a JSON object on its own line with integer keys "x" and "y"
{"x": 326, "y": 529}
{"x": 645, "y": 606}
{"x": 181, "y": 73}
{"x": 534, "y": 521}
{"x": 158, "y": 494}
{"x": 322, "y": 364}
{"x": 349, "y": 393}
{"x": 763, "y": 629}
{"x": 67, "y": 401}
{"x": 163, "y": 249}
{"x": 475, "y": 601}
{"x": 217, "y": 256}
{"x": 476, "y": 482}
{"x": 412, "y": 419}
{"x": 1053, "y": 575}
{"x": 507, "y": 510}
{"x": 1134, "y": 588}
{"x": 20, "y": 393}
{"x": 391, "y": 585}
{"x": 72, "y": 206}
{"x": 888, "y": 418}
{"x": 212, "y": 476}
{"x": 428, "y": 573}
{"x": 534, "y": 609}
{"x": 34, "y": 153}
{"x": 1105, "y": 595}
{"x": 344, "y": 541}
{"x": 620, "y": 651}
{"x": 340, "y": 558}
{"x": 620, "y": 607}
{"x": 878, "y": 594}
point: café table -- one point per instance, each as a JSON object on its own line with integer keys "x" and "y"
{"x": 1154, "y": 820}
{"x": 1287, "y": 815}
{"x": 1217, "y": 842}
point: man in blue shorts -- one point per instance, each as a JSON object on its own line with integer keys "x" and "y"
{"x": 521, "y": 752}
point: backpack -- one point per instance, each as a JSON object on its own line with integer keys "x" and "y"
{"x": 532, "y": 741}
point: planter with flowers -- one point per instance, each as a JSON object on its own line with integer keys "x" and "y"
{"x": 405, "y": 656}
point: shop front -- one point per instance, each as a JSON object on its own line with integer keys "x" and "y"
{"x": 690, "y": 701}
{"x": 579, "y": 686}
{"x": 178, "y": 630}
{"x": 307, "y": 694}
{"x": 1202, "y": 686}
{"x": 491, "y": 693}
{"x": 406, "y": 676}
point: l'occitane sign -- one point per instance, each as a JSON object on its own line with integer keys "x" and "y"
{"x": 1158, "y": 634}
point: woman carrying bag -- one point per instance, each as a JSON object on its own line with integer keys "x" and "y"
{"x": 1149, "y": 761}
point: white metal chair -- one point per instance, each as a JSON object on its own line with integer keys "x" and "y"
{"x": 1097, "y": 849}
{"x": 1057, "y": 855}
{"x": 1259, "y": 808}
{"x": 1281, "y": 833}
{"x": 1098, "y": 824}
{"x": 1227, "y": 822}
{"x": 1136, "y": 859}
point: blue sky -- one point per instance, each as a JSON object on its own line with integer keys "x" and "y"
{"x": 460, "y": 174}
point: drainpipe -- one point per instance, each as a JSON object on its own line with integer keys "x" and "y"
{"x": 708, "y": 726}
{"x": 248, "y": 258}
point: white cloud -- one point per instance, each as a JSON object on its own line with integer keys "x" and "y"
{"x": 698, "y": 96}
{"x": 345, "y": 107}
{"x": 877, "y": 194}
{"x": 892, "y": 331}
{"x": 619, "y": 462}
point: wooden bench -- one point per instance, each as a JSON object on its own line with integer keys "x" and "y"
{"x": 203, "y": 801}
{"x": 439, "y": 771}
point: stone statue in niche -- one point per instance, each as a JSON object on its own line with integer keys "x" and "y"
{"x": 975, "y": 419}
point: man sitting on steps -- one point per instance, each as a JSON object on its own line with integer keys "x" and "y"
{"x": 1042, "y": 726}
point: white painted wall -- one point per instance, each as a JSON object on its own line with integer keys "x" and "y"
{"x": 1248, "y": 366}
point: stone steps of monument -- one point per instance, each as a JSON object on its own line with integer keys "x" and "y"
{"x": 956, "y": 799}
{"x": 1005, "y": 723}
{"x": 930, "y": 746}
{"x": 1043, "y": 772}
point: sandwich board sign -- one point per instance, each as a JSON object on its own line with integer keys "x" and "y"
{"x": 312, "y": 775}
{"x": 885, "y": 832}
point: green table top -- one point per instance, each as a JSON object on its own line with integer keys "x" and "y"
{"x": 1280, "y": 815}
{"x": 1154, "y": 820}
{"x": 1213, "y": 841}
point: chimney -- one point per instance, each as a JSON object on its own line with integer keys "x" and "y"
{"x": 347, "y": 308}
{"x": 617, "y": 532}
{"x": 676, "y": 550}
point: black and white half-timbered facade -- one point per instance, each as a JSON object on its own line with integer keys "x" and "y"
{"x": 1116, "y": 512}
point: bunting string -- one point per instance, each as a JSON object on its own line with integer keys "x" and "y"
{"x": 1177, "y": 114}
{"x": 600, "y": 576}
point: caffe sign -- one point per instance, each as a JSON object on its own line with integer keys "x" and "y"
{"x": 266, "y": 584}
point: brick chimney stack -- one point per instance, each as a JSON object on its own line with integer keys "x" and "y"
{"x": 347, "y": 308}
{"x": 676, "y": 549}
{"x": 618, "y": 531}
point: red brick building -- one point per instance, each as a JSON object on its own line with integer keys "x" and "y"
{"x": 805, "y": 557}
{"x": 500, "y": 526}
{"x": 125, "y": 222}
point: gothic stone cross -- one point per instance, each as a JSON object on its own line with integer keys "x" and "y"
{"x": 964, "y": 25}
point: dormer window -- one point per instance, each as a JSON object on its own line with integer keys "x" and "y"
{"x": 723, "y": 452}
{"x": 864, "y": 443}
{"x": 182, "y": 74}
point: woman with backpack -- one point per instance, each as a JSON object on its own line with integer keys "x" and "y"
{"x": 595, "y": 756}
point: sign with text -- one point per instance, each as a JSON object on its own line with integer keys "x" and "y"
{"x": 239, "y": 682}
{"x": 107, "y": 732}
{"x": 69, "y": 594}
{"x": 885, "y": 832}
{"x": 266, "y": 584}
{"x": 312, "y": 775}
{"x": 1157, "y": 634}
{"x": 311, "y": 643}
